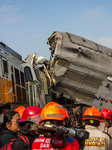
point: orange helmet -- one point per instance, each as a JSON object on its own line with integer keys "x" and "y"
{"x": 53, "y": 111}
{"x": 20, "y": 110}
{"x": 92, "y": 113}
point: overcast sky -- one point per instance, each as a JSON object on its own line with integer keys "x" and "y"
{"x": 25, "y": 25}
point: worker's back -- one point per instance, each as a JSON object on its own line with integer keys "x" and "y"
{"x": 98, "y": 140}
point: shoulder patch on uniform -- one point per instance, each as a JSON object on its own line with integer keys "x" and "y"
{"x": 70, "y": 140}
{"x": 95, "y": 141}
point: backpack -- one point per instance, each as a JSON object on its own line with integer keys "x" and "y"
{"x": 9, "y": 145}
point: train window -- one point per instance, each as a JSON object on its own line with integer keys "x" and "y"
{"x": 19, "y": 96}
{"x": 24, "y": 95}
{"x": 22, "y": 79}
{"x": 17, "y": 76}
{"x": 28, "y": 74}
{"x": 5, "y": 66}
{"x": 11, "y": 68}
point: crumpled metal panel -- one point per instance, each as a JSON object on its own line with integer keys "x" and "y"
{"x": 82, "y": 51}
{"x": 77, "y": 84}
{"x": 81, "y": 69}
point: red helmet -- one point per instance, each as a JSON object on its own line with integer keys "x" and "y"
{"x": 31, "y": 114}
{"x": 106, "y": 113}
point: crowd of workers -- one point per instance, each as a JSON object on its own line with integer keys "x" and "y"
{"x": 32, "y": 128}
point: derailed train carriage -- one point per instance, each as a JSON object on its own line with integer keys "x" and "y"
{"x": 78, "y": 75}
{"x": 82, "y": 71}
{"x": 19, "y": 81}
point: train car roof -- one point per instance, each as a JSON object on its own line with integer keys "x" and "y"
{"x": 10, "y": 51}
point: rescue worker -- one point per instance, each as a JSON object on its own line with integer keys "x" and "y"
{"x": 97, "y": 139}
{"x": 105, "y": 123}
{"x": 9, "y": 127}
{"x": 30, "y": 117}
{"x": 54, "y": 114}
{"x": 20, "y": 110}
{"x": 3, "y": 109}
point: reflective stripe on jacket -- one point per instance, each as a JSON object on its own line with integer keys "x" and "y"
{"x": 97, "y": 139}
